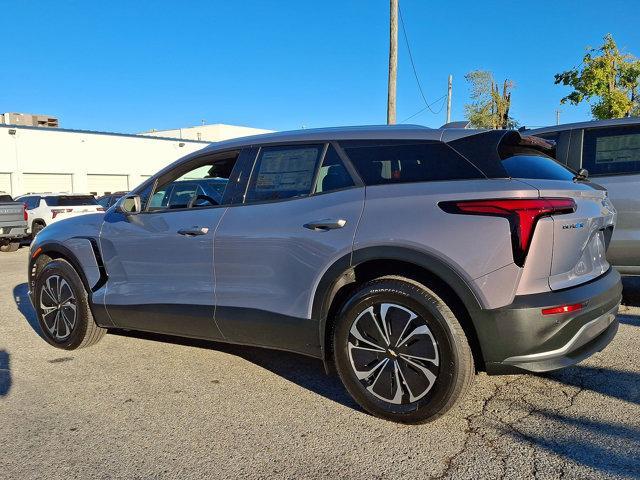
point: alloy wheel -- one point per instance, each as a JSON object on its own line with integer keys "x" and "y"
{"x": 393, "y": 353}
{"x": 58, "y": 307}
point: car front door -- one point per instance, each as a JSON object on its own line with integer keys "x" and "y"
{"x": 299, "y": 215}
{"x": 159, "y": 261}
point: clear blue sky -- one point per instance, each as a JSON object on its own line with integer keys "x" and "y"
{"x": 130, "y": 66}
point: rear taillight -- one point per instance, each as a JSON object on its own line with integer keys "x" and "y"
{"x": 57, "y": 211}
{"x": 562, "y": 309}
{"x": 522, "y": 214}
{"x": 24, "y": 212}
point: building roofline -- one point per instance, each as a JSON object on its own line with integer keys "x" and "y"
{"x": 95, "y": 132}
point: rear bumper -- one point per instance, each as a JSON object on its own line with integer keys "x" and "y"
{"x": 519, "y": 338}
{"x": 12, "y": 230}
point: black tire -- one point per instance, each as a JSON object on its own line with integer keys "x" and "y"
{"x": 420, "y": 398}
{"x": 10, "y": 247}
{"x": 83, "y": 331}
{"x": 36, "y": 228}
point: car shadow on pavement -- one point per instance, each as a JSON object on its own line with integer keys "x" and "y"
{"x": 5, "y": 373}
{"x": 631, "y": 291}
{"x": 578, "y": 439}
{"x": 620, "y": 384}
{"x": 21, "y": 297}
{"x": 304, "y": 371}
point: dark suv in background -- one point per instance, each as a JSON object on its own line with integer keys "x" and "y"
{"x": 610, "y": 151}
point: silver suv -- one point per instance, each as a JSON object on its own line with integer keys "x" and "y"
{"x": 404, "y": 257}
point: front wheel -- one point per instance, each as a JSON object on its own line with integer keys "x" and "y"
{"x": 400, "y": 351}
{"x": 62, "y": 307}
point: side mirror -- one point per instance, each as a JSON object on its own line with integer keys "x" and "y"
{"x": 583, "y": 173}
{"x": 130, "y": 205}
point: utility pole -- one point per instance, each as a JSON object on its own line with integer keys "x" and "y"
{"x": 393, "y": 63}
{"x": 557, "y": 117}
{"x": 449, "y": 98}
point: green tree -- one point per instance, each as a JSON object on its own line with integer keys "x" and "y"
{"x": 490, "y": 105}
{"x": 607, "y": 77}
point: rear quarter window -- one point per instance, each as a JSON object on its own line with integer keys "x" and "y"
{"x": 537, "y": 166}
{"x": 391, "y": 162}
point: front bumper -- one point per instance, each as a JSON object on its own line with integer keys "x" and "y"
{"x": 519, "y": 338}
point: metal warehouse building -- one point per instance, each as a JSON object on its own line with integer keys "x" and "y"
{"x": 36, "y": 159}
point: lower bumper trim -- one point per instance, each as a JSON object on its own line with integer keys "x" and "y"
{"x": 591, "y": 338}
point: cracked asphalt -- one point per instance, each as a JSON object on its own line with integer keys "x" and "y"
{"x": 153, "y": 407}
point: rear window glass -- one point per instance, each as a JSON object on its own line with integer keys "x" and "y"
{"x": 529, "y": 165}
{"x": 612, "y": 150}
{"x": 6, "y": 198}
{"x": 70, "y": 200}
{"x": 386, "y": 162}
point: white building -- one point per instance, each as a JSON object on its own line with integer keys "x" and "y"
{"x": 34, "y": 159}
{"x": 211, "y": 133}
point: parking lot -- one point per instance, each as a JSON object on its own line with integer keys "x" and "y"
{"x": 143, "y": 406}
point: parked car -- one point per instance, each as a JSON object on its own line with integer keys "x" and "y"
{"x": 405, "y": 257}
{"x": 13, "y": 223}
{"x": 46, "y": 208}
{"x": 610, "y": 151}
{"x": 109, "y": 199}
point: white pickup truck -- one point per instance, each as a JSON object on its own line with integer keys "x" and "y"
{"x": 13, "y": 223}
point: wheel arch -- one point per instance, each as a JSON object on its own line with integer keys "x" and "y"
{"x": 362, "y": 265}
{"x": 56, "y": 250}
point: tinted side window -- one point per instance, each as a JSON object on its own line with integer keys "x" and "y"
{"x": 612, "y": 150}
{"x": 70, "y": 200}
{"x": 523, "y": 165}
{"x": 104, "y": 202}
{"x": 332, "y": 174}
{"x": 380, "y": 163}
{"x": 283, "y": 172}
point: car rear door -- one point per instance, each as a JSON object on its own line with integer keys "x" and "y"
{"x": 300, "y": 214}
{"x": 612, "y": 156}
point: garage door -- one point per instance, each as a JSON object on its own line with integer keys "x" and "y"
{"x": 5, "y": 182}
{"x": 46, "y": 182}
{"x": 102, "y": 184}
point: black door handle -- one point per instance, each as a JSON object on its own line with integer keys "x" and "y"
{"x": 324, "y": 225}
{"x": 194, "y": 231}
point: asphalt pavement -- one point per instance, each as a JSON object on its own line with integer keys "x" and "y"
{"x": 155, "y": 407}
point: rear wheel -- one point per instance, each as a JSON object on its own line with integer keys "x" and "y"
{"x": 37, "y": 227}
{"x": 10, "y": 247}
{"x": 62, "y": 306}
{"x": 400, "y": 351}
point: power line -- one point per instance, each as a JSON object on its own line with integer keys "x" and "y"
{"x": 413, "y": 66}
{"x": 429, "y": 107}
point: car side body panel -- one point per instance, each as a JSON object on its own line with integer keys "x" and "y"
{"x": 268, "y": 262}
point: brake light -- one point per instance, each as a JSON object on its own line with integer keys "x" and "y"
{"x": 522, "y": 214}
{"x": 56, "y": 211}
{"x": 25, "y": 215}
{"x": 562, "y": 309}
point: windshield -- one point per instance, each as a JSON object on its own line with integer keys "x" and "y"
{"x": 527, "y": 165}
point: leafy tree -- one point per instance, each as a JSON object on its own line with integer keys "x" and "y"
{"x": 608, "y": 76}
{"x": 490, "y": 106}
